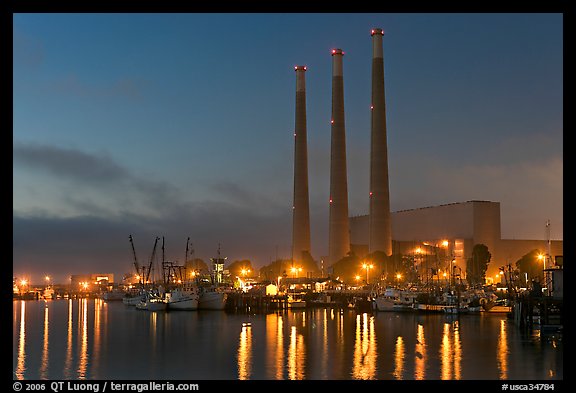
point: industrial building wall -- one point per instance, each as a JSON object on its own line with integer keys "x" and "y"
{"x": 477, "y": 220}
{"x": 455, "y": 220}
{"x": 486, "y": 224}
{"x": 463, "y": 224}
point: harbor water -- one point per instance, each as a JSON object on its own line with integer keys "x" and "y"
{"x": 90, "y": 339}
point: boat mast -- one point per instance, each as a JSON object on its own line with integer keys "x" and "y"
{"x": 150, "y": 265}
{"x": 136, "y": 264}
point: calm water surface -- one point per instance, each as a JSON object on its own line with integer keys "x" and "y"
{"x": 93, "y": 339}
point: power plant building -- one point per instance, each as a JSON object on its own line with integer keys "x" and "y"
{"x": 456, "y": 226}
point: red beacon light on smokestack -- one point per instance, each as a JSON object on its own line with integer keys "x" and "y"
{"x": 337, "y": 52}
{"x": 377, "y": 31}
{"x": 299, "y": 68}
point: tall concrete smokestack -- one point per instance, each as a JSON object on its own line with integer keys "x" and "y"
{"x": 339, "y": 236}
{"x": 379, "y": 219}
{"x": 301, "y": 208}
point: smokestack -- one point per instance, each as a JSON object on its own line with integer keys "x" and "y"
{"x": 339, "y": 236}
{"x": 379, "y": 219}
{"x": 301, "y": 209}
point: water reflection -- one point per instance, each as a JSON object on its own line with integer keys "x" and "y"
{"x": 503, "y": 351}
{"x": 296, "y": 355}
{"x": 98, "y": 305}
{"x": 83, "y": 334}
{"x": 420, "y": 354}
{"x": 44, "y": 361}
{"x": 399, "y": 358}
{"x": 364, "y": 366}
{"x": 79, "y": 339}
{"x": 68, "y": 361}
{"x": 20, "y": 367}
{"x": 245, "y": 352}
{"x": 451, "y": 352}
{"x": 457, "y": 356}
{"x": 324, "y": 343}
{"x": 275, "y": 346}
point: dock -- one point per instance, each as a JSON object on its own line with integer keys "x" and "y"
{"x": 544, "y": 313}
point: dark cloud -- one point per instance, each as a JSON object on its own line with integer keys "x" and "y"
{"x": 71, "y": 163}
{"x": 88, "y": 244}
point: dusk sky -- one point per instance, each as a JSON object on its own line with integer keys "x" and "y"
{"x": 181, "y": 125}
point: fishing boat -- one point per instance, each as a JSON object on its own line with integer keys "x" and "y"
{"x": 184, "y": 296}
{"x": 152, "y": 301}
{"x": 211, "y": 298}
{"x": 295, "y": 301}
{"x": 133, "y": 296}
{"x": 394, "y": 299}
{"x": 48, "y": 293}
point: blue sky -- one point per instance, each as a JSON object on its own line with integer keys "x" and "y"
{"x": 181, "y": 125}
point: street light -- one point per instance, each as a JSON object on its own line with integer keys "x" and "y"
{"x": 295, "y": 271}
{"x": 398, "y": 277}
{"x": 543, "y": 258}
{"x": 367, "y": 267}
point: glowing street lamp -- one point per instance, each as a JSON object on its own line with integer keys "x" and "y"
{"x": 295, "y": 271}
{"x": 398, "y": 277}
{"x": 367, "y": 267}
{"x": 357, "y": 279}
{"x": 542, "y": 258}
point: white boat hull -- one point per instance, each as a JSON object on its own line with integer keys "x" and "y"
{"x": 184, "y": 304}
{"x": 212, "y": 300}
{"x": 384, "y": 304}
{"x": 152, "y": 303}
